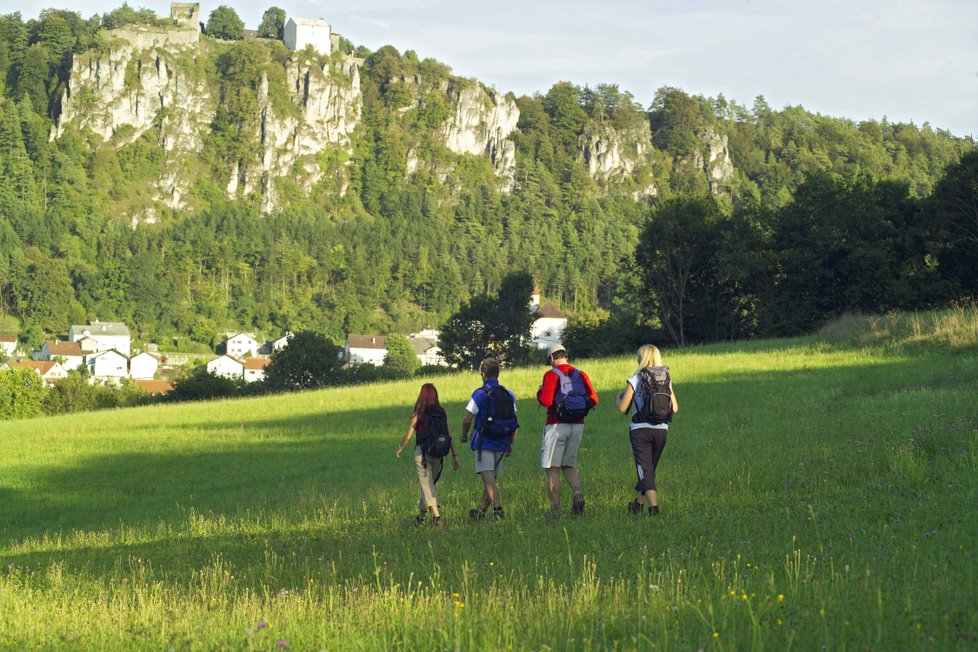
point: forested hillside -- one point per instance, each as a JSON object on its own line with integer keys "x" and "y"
{"x": 781, "y": 217}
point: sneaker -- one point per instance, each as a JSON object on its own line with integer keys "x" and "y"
{"x": 477, "y": 514}
{"x": 635, "y": 507}
{"x": 654, "y": 510}
{"x": 437, "y": 523}
{"x": 577, "y": 507}
{"x": 498, "y": 514}
{"x": 419, "y": 519}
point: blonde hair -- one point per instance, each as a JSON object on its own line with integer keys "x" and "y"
{"x": 649, "y": 356}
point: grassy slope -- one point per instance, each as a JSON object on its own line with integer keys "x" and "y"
{"x": 812, "y": 495}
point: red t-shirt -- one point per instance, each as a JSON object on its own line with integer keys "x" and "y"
{"x": 551, "y": 383}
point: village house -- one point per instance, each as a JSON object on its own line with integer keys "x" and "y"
{"x": 105, "y": 334}
{"x": 548, "y": 325}
{"x": 280, "y": 343}
{"x": 239, "y": 345}
{"x": 8, "y": 344}
{"x": 226, "y": 366}
{"x": 254, "y": 369}
{"x": 365, "y": 349}
{"x": 69, "y": 354}
{"x": 109, "y": 365}
{"x": 425, "y": 345}
{"x": 300, "y": 32}
{"x": 49, "y": 370}
{"x": 143, "y": 366}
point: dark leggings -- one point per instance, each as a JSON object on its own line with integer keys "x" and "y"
{"x": 647, "y": 445}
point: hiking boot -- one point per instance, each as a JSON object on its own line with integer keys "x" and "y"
{"x": 437, "y": 523}
{"x": 419, "y": 519}
{"x": 635, "y": 507}
{"x": 554, "y": 514}
{"x": 577, "y": 507}
{"x": 477, "y": 514}
{"x": 653, "y": 510}
{"x": 498, "y": 514}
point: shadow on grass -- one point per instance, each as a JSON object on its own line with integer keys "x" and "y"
{"x": 296, "y": 465}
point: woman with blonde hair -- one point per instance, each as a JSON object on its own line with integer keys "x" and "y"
{"x": 650, "y": 397}
{"x": 428, "y": 413}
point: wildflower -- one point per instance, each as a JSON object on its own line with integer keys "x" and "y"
{"x": 779, "y": 621}
{"x": 282, "y": 644}
{"x": 455, "y": 595}
{"x": 781, "y": 597}
{"x": 743, "y": 597}
{"x": 716, "y": 634}
{"x": 263, "y": 625}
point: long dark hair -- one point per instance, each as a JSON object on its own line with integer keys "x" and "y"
{"x": 427, "y": 397}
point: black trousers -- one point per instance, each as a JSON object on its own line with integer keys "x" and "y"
{"x": 647, "y": 445}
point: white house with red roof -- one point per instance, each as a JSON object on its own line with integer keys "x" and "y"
{"x": 49, "y": 370}
{"x": 365, "y": 349}
{"x": 8, "y": 344}
{"x": 254, "y": 369}
{"x": 226, "y": 366}
{"x": 69, "y": 354}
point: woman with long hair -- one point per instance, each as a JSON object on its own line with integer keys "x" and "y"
{"x": 429, "y": 413}
{"x": 650, "y": 397}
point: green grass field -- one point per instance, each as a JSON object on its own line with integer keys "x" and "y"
{"x": 812, "y": 495}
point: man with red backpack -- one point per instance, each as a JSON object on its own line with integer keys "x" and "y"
{"x": 568, "y": 395}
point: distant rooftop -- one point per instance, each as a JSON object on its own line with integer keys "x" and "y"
{"x": 366, "y": 341}
{"x": 102, "y": 328}
{"x": 549, "y": 310}
{"x": 311, "y": 22}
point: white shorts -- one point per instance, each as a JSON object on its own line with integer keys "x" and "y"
{"x": 561, "y": 442}
{"x": 491, "y": 461}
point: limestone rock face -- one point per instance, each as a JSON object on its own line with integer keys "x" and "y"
{"x": 713, "y": 158}
{"x": 481, "y": 123}
{"x": 142, "y": 83}
{"x": 329, "y": 105}
{"x": 616, "y": 157}
{"x": 135, "y": 83}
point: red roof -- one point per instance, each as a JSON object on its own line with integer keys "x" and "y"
{"x": 59, "y": 347}
{"x": 40, "y": 366}
{"x": 257, "y": 363}
{"x": 7, "y": 337}
{"x": 155, "y": 386}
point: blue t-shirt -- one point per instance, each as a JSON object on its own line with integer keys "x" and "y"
{"x": 477, "y": 405}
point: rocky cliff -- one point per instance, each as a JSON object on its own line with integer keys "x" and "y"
{"x": 616, "y": 157}
{"x": 481, "y": 123}
{"x": 152, "y": 80}
{"x": 713, "y": 158}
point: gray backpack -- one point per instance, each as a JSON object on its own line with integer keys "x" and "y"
{"x": 656, "y": 391}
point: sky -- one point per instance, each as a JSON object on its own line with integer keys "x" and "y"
{"x": 905, "y": 60}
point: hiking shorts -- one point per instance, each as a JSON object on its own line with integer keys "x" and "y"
{"x": 491, "y": 461}
{"x": 561, "y": 442}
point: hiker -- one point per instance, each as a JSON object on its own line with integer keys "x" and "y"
{"x": 432, "y": 441}
{"x": 568, "y": 395}
{"x": 650, "y": 396}
{"x": 493, "y": 408}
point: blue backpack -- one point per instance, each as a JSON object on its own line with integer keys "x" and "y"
{"x": 500, "y": 420}
{"x": 571, "y": 403}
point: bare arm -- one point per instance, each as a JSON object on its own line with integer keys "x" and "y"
{"x": 407, "y": 435}
{"x": 466, "y": 424}
{"x": 624, "y": 399}
{"x": 675, "y": 403}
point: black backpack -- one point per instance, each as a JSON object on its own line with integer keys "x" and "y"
{"x": 656, "y": 392}
{"x": 500, "y": 420}
{"x": 571, "y": 402}
{"x": 433, "y": 438}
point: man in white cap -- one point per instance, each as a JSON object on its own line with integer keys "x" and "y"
{"x": 568, "y": 395}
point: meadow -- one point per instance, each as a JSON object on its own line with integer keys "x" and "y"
{"x": 815, "y": 494}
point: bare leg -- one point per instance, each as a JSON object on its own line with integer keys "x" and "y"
{"x": 553, "y": 488}
{"x": 491, "y": 491}
{"x": 573, "y": 479}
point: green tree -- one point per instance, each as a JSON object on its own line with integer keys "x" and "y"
{"x": 272, "y": 23}
{"x": 21, "y": 393}
{"x": 400, "y": 355}
{"x": 225, "y": 24}
{"x": 308, "y": 361}
{"x": 491, "y": 326}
